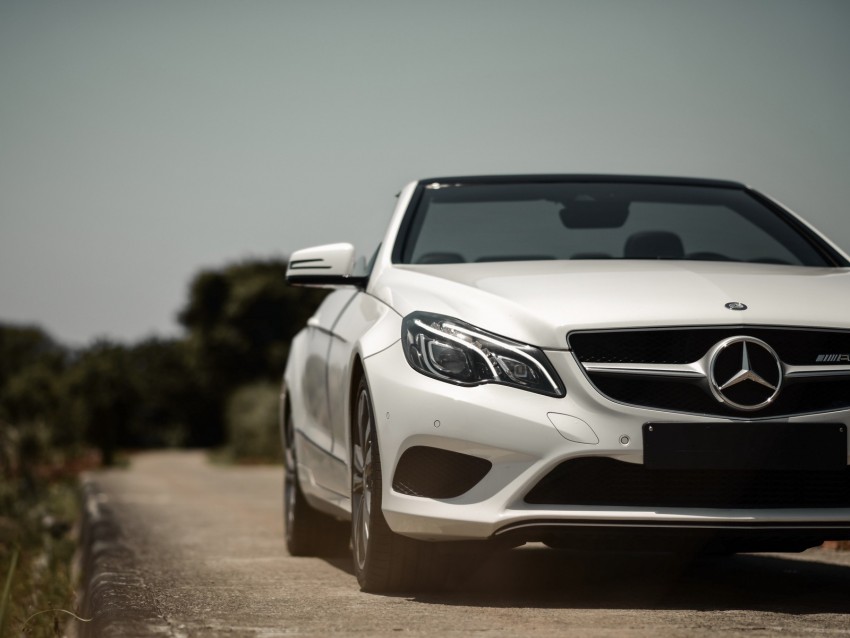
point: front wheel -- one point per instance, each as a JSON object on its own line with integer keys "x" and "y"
{"x": 383, "y": 560}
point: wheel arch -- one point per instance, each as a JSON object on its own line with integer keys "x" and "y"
{"x": 283, "y": 406}
{"x": 358, "y": 372}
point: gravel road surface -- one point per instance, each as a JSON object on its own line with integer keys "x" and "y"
{"x": 179, "y": 547}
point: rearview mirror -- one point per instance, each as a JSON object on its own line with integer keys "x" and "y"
{"x": 595, "y": 214}
{"x": 324, "y": 267}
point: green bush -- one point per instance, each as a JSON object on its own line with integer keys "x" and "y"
{"x": 38, "y": 506}
{"x": 252, "y": 423}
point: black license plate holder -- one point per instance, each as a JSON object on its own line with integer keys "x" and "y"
{"x": 745, "y": 446}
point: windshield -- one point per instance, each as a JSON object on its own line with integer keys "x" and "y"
{"x": 532, "y": 221}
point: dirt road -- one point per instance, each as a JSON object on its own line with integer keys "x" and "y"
{"x": 185, "y": 548}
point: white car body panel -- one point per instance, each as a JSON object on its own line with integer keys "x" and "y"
{"x": 515, "y": 298}
{"x": 347, "y": 324}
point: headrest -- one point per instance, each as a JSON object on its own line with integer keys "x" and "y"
{"x": 654, "y": 244}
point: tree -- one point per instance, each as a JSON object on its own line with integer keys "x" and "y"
{"x": 240, "y": 320}
{"x": 20, "y": 346}
{"x": 32, "y": 365}
{"x": 101, "y": 396}
{"x": 30, "y": 362}
{"x": 172, "y": 409}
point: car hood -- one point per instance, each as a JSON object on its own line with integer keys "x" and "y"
{"x": 540, "y": 302}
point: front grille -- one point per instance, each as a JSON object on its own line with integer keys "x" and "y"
{"x": 798, "y": 347}
{"x": 606, "y": 482}
{"x": 436, "y": 473}
{"x": 676, "y": 346}
{"x": 817, "y": 395}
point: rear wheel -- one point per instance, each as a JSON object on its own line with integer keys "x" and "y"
{"x": 383, "y": 560}
{"x": 308, "y": 532}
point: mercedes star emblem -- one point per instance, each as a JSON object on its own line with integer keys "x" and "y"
{"x": 744, "y": 373}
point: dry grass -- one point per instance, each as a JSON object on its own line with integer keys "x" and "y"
{"x": 36, "y": 553}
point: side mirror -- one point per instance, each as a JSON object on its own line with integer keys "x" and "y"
{"x": 324, "y": 267}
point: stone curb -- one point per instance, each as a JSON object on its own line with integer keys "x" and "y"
{"x": 113, "y": 593}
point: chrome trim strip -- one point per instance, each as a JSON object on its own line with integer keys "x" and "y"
{"x": 690, "y": 370}
{"x": 731, "y": 525}
{"x": 696, "y": 369}
{"x": 827, "y": 370}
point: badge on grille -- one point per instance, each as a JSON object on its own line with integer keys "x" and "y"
{"x": 745, "y": 373}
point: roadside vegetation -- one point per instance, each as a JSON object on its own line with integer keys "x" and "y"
{"x": 64, "y": 410}
{"x": 39, "y": 503}
{"x": 253, "y": 433}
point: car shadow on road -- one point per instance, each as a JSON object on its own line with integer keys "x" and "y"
{"x": 539, "y": 577}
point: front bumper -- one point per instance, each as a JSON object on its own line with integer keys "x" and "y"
{"x": 525, "y": 436}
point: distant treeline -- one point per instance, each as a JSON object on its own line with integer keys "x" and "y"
{"x": 238, "y": 322}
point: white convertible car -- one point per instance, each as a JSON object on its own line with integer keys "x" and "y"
{"x": 574, "y": 360}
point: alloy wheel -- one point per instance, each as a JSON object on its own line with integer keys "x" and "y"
{"x": 361, "y": 478}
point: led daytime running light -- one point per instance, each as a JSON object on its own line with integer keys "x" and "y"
{"x": 455, "y": 352}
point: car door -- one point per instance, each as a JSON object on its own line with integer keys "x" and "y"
{"x": 314, "y": 421}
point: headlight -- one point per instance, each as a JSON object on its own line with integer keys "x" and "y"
{"x": 456, "y": 352}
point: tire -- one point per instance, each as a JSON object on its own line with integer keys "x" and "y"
{"x": 383, "y": 560}
{"x": 307, "y": 531}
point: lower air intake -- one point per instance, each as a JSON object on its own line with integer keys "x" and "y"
{"x": 431, "y": 472}
{"x": 609, "y": 483}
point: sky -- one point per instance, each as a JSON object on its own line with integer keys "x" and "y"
{"x": 143, "y": 141}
